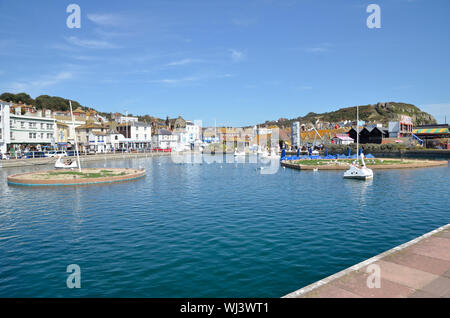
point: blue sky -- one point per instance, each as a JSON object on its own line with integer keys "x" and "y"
{"x": 239, "y": 62}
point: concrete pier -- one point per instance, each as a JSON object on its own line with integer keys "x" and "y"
{"x": 417, "y": 269}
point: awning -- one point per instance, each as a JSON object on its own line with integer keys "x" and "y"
{"x": 431, "y": 131}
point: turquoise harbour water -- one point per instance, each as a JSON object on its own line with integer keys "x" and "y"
{"x": 210, "y": 230}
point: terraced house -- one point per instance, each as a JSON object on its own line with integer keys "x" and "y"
{"x": 33, "y": 130}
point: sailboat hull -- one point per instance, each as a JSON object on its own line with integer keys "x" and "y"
{"x": 358, "y": 173}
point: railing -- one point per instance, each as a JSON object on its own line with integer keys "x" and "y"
{"x": 86, "y": 152}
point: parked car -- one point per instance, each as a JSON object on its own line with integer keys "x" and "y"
{"x": 34, "y": 154}
{"x": 52, "y": 154}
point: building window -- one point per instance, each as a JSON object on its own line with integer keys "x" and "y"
{"x": 22, "y": 124}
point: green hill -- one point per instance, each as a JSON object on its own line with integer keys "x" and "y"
{"x": 380, "y": 113}
{"x": 59, "y": 103}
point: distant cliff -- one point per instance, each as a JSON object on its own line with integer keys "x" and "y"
{"x": 380, "y": 113}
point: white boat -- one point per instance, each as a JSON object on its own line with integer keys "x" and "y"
{"x": 238, "y": 153}
{"x": 264, "y": 154}
{"x": 270, "y": 155}
{"x": 357, "y": 171}
{"x": 66, "y": 164}
{"x": 261, "y": 152}
{"x": 274, "y": 155}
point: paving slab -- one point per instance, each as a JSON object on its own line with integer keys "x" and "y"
{"x": 405, "y": 275}
{"x": 421, "y": 262}
{"x": 438, "y": 287}
{"x": 358, "y": 284}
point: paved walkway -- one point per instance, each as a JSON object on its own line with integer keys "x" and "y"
{"x": 419, "y": 268}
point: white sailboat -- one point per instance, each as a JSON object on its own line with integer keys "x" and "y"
{"x": 70, "y": 163}
{"x": 66, "y": 164}
{"x": 238, "y": 153}
{"x": 357, "y": 171}
{"x": 274, "y": 154}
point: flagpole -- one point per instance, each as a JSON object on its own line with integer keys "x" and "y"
{"x": 75, "y": 137}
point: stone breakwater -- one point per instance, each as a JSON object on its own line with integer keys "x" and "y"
{"x": 407, "y": 164}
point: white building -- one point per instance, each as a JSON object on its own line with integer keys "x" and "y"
{"x": 138, "y": 135}
{"x": 400, "y": 128}
{"x": 127, "y": 119}
{"x": 115, "y": 141}
{"x": 164, "y": 139}
{"x": 4, "y": 126}
{"x": 342, "y": 139}
{"x": 193, "y": 130}
{"x": 189, "y": 136}
{"x": 98, "y": 141}
{"x": 261, "y": 131}
{"x": 31, "y": 130}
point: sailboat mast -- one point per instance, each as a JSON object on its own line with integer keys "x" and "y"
{"x": 357, "y": 133}
{"x": 75, "y": 137}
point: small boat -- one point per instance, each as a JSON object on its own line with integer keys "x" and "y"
{"x": 237, "y": 153}
{"x": 274, "y": 155}
{"x": 66, "y": 164}
{"x": 356, "y": 171}
{"x": 359, "y": 172}
{"x": 264, "y": 154}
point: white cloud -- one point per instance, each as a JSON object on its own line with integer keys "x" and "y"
{"x": 183, "y": 62}
{"x": 237, "y": 56}
{"x": 43, "y": 82}
{"x": 190, "y": 79}
{"x": 105, "y": 19}
{"x": 91, "y": 44}
{"x": 176, "y": 80}
{"x": 319, "y": 48}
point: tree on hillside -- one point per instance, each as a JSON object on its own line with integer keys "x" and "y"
{"x": 24, "y": 98}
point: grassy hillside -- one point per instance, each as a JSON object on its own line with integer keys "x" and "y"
{"x": 380, "y": 113}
